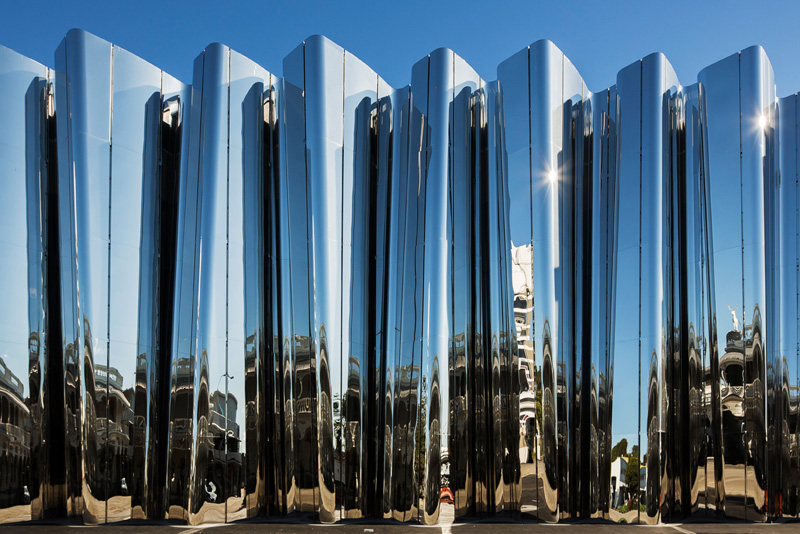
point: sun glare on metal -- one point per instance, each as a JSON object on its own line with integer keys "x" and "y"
{"x": 320, "y": 296}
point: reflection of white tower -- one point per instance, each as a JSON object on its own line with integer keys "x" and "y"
{"x": 522, "y": 283}
{"x": 733, "y": 318}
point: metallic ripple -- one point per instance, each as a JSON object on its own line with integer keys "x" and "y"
{"x": 318, "y": 295}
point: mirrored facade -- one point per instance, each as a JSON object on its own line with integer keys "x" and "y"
{"x": 317, "y": 295}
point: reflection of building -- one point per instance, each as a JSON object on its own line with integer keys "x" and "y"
{"x": 731, "y": 369}
{"x": 619, "y": 491}
{"x": 223, "y": 418}
{"x": 531, "y": 157}
{"x": 740, "y": 386}
{"x": 15, "y": 446}
{"x": 116, "y": 426}
{"x": 521, "y": 279}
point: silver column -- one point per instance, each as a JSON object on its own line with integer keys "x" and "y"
{"x": 785, "y": 427}
{"x": 118, "y": 248}
{"x": 32, "y": 412}
{"x": 740, "y": 92}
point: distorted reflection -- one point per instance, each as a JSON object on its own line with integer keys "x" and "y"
{"x": 319, "y": 295}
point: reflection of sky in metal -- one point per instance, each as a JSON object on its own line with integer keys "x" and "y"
{"x": 613, "y": 233}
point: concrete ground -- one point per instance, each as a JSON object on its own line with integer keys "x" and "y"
{"x": 247, "y": 527}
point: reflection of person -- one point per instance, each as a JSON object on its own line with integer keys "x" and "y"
{"x": 733, "y": 318}
{"x": 529, "y": 435}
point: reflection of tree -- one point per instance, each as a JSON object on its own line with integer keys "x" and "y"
{"x": 632, "y": 473}
{"x": 620, "y": 449}
{"x": 420, "y": 434}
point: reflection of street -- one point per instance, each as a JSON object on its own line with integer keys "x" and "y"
{"x": 215, "y": 513}
{"x": 531, "y": 487}
{"x": 15, "y": 513}
{"x": 734, "y": 489}
{"x": 631, "y": 516}
{"x": 447, "y": 514}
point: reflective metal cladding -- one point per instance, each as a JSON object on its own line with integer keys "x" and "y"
{"x": 319, "y": 295}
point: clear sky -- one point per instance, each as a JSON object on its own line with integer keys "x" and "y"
{"x": 599, "y": 37}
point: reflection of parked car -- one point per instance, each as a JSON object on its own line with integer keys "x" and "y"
{"x": 446, "y": 495}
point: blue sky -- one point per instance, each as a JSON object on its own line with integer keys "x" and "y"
{"x": 599, "y": 37}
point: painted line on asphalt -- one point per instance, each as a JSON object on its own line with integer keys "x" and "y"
{"x": 198, "y": 528}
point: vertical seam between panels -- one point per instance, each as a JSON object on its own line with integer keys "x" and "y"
{"x": 610, "y": 235}
{"x": 400, "y": 344}
{"x": 605, "y": 149}
{"x": 227, "y": 263}
{"x": 196, "y": 274}
{"x": 700, "y": 187}
{"x": 741, "y": 256}
{"x": 451, "y": 248}
{"x": 796, "y": 245}
{"x": 422, "y": 174}
{"x": 108, "y": 281}
{"x": 529, "y": 283}
{"x": 378, "y": 368}
{"x": 155, "y": 347}
{"x": 380, "y": 349}
{"x": 424, "y": 339}
{"x": 563, "y": 337}
{"x": 451, "y": 197}
{"x": 639, "y": 437}
{"x": 283, "y": 174}
{"x": 310, "y": 296}
{"x": 342, "y": 417}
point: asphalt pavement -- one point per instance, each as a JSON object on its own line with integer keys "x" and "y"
{"x": 478, "y": 527}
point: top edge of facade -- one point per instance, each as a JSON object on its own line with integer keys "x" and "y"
{"x": 76, "y": 34}
{"x": 22, "y": 57}
{"x": 539, "y": 46}
{"x": 750, "y": 52}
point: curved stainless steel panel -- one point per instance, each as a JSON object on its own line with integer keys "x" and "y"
{"x": 121, "y": 458}
{"x": 514, "y": 79}
{"x": 434, "y": 243}
{"x": 26, "y": 358}
{"x": 740, "y": 95}
{"x": 88, "y": 65}
{"x": 356, "y": 358}
{"x": 296, "y": 294}
{"x": 721, "y": 82}
{"x": 756, "y": 107}
{"x": 694, "y": 380}
{"x": 545, "y": 126}
{"x": 785, "y": 427}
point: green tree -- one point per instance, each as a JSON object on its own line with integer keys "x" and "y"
{"x": 620, "y": 449}
{"x": 632, "y": 473}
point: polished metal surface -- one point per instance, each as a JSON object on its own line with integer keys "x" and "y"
{"x": 321, "y": 296}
